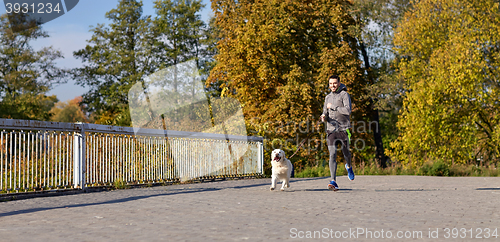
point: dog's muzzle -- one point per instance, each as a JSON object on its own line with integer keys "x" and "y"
{"x": 277, "y": 158}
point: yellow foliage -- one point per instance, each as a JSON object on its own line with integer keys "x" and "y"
{"x": 275, "y": 58}
{"x": 450, "y": 61}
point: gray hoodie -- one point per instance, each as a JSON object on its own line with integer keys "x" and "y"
{"x": 337, "y": 117}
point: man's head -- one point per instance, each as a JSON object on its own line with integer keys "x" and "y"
{"x": 333, "y": 82}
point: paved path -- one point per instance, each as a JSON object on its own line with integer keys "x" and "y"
{"x": 370, "y": 206}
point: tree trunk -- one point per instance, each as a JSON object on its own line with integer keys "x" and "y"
{"x": 377, "y": 133}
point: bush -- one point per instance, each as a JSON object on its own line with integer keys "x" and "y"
{"x": 439, "y": 168}
{"x": 425, "y": 169}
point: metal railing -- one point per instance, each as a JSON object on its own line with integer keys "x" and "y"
{"x": 39, "y": 155}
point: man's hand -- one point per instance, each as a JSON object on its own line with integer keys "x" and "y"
{"x": 329, "y": 106}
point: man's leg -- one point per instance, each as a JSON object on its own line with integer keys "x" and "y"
{"x": 332, "y": 149}
{"x": 333, "y": 161}
{"x": 347, "y": 157}
{"x": 347, "y": 153}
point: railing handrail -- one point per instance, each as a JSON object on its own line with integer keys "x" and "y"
{"x": 38, "y": 125}
{"x": 100, "y": 128}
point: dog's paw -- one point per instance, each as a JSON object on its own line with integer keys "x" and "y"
{"x": 282, "y": 189}
{"x": 272, "y": 188}
{"x": 287, "y": 185}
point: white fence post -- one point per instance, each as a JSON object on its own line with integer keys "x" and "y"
{"x": 79, "y": 158}
{"x": 261, "y": 157}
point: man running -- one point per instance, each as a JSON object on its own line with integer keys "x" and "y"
{"x": 337, "y": 110}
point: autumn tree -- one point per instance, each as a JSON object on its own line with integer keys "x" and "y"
{"x": 69, "y": 111}
{"x": 116, "y": 57}
{"x": 26, "y": 75}
{"x": 376, "y": 21}
{"x": 450, "y": 59}
{"x": 275, "y": 58}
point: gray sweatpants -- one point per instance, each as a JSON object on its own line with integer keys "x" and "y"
{"x": 334, "y": 138}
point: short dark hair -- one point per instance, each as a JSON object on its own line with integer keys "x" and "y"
{"x": 334, "y": 77}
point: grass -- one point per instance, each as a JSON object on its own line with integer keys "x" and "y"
{"x": 320, "y": 171}
{"x": 119, "y": 184}
{"x": 437, "y": 168}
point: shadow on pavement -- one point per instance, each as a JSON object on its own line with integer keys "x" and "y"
{"x": 121, "y": 200}
{"x": 170, "y": 192}
{"x": 128, "y": 199}
{"x": 316, "y": 190}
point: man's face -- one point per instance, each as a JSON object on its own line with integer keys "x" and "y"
{"x": 333, "y": 84}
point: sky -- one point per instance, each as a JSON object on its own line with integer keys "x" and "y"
{"x": 70, "y": 33}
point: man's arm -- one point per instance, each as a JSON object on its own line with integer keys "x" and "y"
{"x": 346, "y": 100}
{"x": 325, "y": 111}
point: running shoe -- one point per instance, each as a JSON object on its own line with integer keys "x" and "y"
{"x": 350, "y": 173}
{"x": 333, "y": 186}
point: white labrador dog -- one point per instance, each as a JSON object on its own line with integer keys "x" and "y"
{"x": 282, "y": 169}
